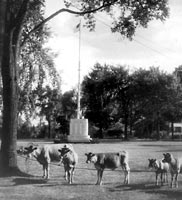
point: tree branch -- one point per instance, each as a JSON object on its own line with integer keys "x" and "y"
{"x": 17, "y": 22}
{"x": 68, "y": 11}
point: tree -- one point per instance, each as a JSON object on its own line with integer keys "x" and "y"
{"x": 152, "y": 91}
{"x": 96, "y": 98}
{"x": 69, "y": 105}
{"x": 173, "y": 110}
{"x": 37, "y": 71}
{"x": 48, "y": 101}
{"x": 36, "y": 65}
{"x": 122, "y": 95}
{"x": 132, "y": 15}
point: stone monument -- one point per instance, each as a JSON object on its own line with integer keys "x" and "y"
{"x": 79, "y": 131}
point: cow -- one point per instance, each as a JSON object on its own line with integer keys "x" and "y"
{"x": 110, "y": 161}
{"x": 160, "y": 168}
{"x": 69, "y": 158}
{"x": 175, "y": 167}
{"x": 44, "y": 154}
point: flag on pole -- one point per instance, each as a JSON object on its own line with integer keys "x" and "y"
{"x": 77, "y": 28}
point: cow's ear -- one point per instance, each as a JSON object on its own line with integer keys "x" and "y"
{"x": 86, "y": 154}
{"x": 59, "y": 150}
{"x": 26, "y": 148}
{"x": 34, "y": 148}
{"x": 67, "y": 150}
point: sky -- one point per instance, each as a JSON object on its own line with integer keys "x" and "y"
{"x": 159, "y": 45}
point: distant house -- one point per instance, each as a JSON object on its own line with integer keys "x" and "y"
{"x": 177, "y": 129}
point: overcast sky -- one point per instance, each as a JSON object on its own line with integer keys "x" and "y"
{"x": 159, "y": 45}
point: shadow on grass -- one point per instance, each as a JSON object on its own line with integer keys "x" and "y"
{"x": 133, "y": 187}
{"x": 13, "y": 172}
{"x": 44, "y": 182}
{"x": 30, "y": 180}
{"x": 75, "y": 184}
{"x": 171, "y": 193}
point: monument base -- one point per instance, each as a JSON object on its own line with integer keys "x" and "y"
{"x": 79, "y": 131}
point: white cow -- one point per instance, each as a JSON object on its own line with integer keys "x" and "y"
{"x": 160, "y": 168}
{"x": 69, "y": 158}
{"x": 44, "y": 154}
{"x": 110, "y": 161}
{"x": 175, "y": 166}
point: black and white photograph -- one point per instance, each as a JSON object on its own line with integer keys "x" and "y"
{"x": 90, "y": 99}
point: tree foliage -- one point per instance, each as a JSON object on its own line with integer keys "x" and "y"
{"x": 47, "y": 101}
{"x": 126, "y": 15}
{"x": 142, "y": 101}
{"x": 69, "y": 104}
{"x": 103, "y": 91}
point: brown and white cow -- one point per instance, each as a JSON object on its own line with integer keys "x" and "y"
{"x": 69, "y": 158}
{"x": 175, "y": 166}
{"x": 44, "y": 154}
{"x": 161, "y": 168}
{"x": 112, "y": 161}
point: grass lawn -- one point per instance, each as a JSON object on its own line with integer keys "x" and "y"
{"x": 142, "y": 181}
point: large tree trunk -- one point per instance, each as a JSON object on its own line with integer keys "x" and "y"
{"x": 10, "y": 103}
{"x": 13, "y": 23}
{"x": 9, "y": 71}
{"x": 2, "y": 27}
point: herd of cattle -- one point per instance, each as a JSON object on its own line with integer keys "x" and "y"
{"x": 65, "y": 154}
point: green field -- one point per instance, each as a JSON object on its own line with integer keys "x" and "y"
{"x": 142, "y": 180}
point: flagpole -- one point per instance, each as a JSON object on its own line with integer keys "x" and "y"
{"x": 79, "y": 69}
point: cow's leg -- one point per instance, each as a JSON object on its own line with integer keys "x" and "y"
{"x": 47, "y": 170}
{"x": 172, "y": 177}
{"x": 69, "y": 176}
{"x": 66, "y": 173}
{"x": 162, "y": 178}
{"x": 176, "y": 180}
{"x": 126, "y": 170}
{"x": 156, "y": 178}
{"x": 44, "y": 171}
{"x": 98, "y": 177}
{"x": 166, "y": 177}
{"x": 101, "y": 174}
{"x": 72, "y": 174}
{"x": 127, "y": 176}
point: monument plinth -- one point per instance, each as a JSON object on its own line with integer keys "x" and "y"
{"x": 79, "y": 131}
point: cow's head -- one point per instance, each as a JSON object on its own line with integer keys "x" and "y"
{"x": 167, "y": 157}
{"x": 91, "y": 157}
{"x": 151, "y": 162}
{"x": 20, "y": 151}
{"x": 63, "y": 152}
{"x": 29, "y": 151}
